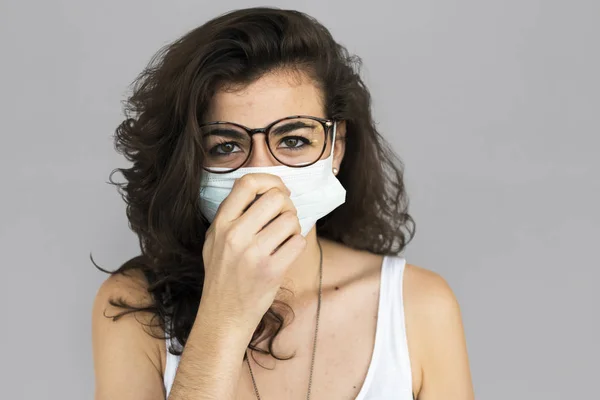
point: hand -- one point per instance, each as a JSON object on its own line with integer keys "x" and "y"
{"x": 248, "y": 248}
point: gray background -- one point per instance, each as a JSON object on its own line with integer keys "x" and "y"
{"x": 492, "y": 105}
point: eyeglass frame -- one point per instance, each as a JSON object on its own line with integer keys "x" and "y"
{"x": 326, "y": 123}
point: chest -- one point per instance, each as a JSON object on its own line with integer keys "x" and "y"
{"x": 345, "y": 342}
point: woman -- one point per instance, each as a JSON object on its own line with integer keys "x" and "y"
{"x": 271, "y": 215}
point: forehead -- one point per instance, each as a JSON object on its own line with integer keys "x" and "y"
{"x": 273, "y": 96}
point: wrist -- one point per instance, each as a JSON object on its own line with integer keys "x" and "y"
{"x": 223, "y": 327}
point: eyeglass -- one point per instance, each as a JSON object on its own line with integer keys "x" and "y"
{"x": 296, "y": 141}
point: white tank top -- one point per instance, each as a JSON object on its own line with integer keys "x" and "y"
{"x": 389, "y": 375}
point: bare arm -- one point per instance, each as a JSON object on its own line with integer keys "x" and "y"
{"x": 212, "y": 359}
{"x": 438, "y": 338}
{"x": 127, "y": 360}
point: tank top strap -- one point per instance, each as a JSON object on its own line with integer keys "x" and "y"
{"x": 396, "y": 358}
{"x": 171, "y": 362}
{"x": 392, "y": 279}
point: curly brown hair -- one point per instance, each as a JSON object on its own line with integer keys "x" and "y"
{"x": 160, "y": 136}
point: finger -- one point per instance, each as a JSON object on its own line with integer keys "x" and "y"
{"x": 277, "y": 232}
{"x": 271, "y": 204}
{"x": 244, "y": 192}
{"x": 289, "y": 251}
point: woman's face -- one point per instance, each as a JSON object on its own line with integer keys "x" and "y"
{"x": 274, "y": 96}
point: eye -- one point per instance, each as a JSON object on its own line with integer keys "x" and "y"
{"x": 225, "y": 148}
{"x": 294, "y": 142}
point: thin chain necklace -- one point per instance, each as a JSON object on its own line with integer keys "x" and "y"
{"x": 312, "y": 362}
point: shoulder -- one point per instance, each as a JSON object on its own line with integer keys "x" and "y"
{"x": 430, "y": 305}
{"x": 130, "y": 335}
{"x": 130, "y": 288}
{"x": 435, "y": 333}
{"x": 429, "y": 293}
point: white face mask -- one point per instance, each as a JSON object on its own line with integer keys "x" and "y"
{"x": 315, "y": 190}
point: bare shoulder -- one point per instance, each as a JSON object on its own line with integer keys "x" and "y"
{"x": 428, "y": 292}
{"x": 430, "y": 305}
{"x": 131, "y": 286}
{"x": 123, "y": 344}
{"x": 435, "y": 336}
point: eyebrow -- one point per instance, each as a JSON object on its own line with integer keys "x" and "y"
{"x": 230, "y": 133}
{"x": 289, "y": 127}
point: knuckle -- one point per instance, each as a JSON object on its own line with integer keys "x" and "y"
{"x": 279, "y": 180}
{"x": 278, "y": 196}
{"x": 237, "y": 184}
{"x": 291, "y": 218}
{"x": 257, "y": 254}
{"x": 231, "y": 237}
{"x": 292, "y": 208}
{"x": 247, "y": 181}
{"x": 216, "y": 226}
{"x": 273, "y": 198}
